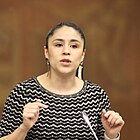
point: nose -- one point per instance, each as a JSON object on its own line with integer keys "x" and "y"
{"x": 66, "y": 50}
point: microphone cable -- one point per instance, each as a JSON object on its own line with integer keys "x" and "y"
{"x": 85, "y": 116}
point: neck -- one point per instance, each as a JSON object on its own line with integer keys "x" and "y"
{"x": 63, "y": 84}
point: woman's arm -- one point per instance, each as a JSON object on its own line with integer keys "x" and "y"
{"x": 30, "y": 116}
{"x": 20, "y": 134}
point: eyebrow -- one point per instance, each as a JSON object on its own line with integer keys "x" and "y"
{"x": 72, "y": 40}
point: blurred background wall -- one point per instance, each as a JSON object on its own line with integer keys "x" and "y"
{"x": 112, "y": 29}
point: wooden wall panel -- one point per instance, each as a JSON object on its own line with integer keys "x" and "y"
{"x": 113, "y": 39}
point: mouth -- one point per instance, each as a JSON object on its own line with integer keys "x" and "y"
{"x": 65, "y": 61}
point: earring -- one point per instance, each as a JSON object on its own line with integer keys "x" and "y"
{"x": 80, "y": 71}
{"x": 81, "y": 64}
{"x": 48, "y": 64}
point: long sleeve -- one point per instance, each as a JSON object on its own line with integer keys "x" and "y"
{"x": 12, "y": 112}
{"x": 107, "y": 138}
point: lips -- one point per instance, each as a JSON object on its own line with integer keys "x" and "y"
{"x": 65, "y": 60}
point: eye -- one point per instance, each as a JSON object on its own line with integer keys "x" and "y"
{"x": 58, "y": 44}
{"x": 74, "y": 46}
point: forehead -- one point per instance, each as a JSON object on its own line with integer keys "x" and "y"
{"x": 66, "y": 32}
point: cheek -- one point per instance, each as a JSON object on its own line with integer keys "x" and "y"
{"x": 50, "y": 54}
{"x": 53, "y": 58}
{"x": 78, "y": 60}
{"x": 80, "y": 57}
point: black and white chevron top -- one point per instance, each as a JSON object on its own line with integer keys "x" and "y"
{"x": 63, "y": 118}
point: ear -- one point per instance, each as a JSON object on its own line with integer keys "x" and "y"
{"x": 46, "y": 52}
{"x": 83, "y": 55}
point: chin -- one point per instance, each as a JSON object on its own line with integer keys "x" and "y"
{"x": 67, "y": 73}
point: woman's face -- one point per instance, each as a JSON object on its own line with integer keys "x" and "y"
{"x": 65, "y": 50}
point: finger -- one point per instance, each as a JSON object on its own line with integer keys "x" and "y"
{"x": 119, "y": 121}
{"x": 108, "y": 113}
{"x": 31, "y": 106}
{"x": 38, "y": 100}
{"x": 113, "y": 116}
{"x": 114, "y": 119}
{"x": 110, "y": 117}
{"x": 28, "y": 115}
{"x": 103, "y": 111}
{"x": 105, "y": 115}
{"x": 35, "y": 105}
{"x": 32, "y": 110}
{"x": 39, "y": 104}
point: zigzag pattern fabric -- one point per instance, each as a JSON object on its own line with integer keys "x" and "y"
{"x": 63, "y": 118}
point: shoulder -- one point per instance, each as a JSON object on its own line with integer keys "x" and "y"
{"x": 95, "y": 89}
{"x": 27, "y": 81}
{"x": 20, "y": 88}
{"x": 93, "y": 86}
{"x": 23, "y": 84}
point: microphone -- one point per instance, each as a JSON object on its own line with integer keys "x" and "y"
{"x": 85, "y": 116}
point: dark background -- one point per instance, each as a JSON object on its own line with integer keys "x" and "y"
{"x": 112, "y": 29}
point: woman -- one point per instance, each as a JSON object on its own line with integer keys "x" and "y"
{"x": 58, "y": 104}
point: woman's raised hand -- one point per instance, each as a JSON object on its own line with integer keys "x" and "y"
{"x": 112, "y": 123}
{"x": 31, "y": 114}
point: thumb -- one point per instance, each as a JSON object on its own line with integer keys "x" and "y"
{"x": 103, "y": 113}
{"x": 38, "y": 101}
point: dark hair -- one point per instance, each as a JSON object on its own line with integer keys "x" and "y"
{"x": 69, "y": 24}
